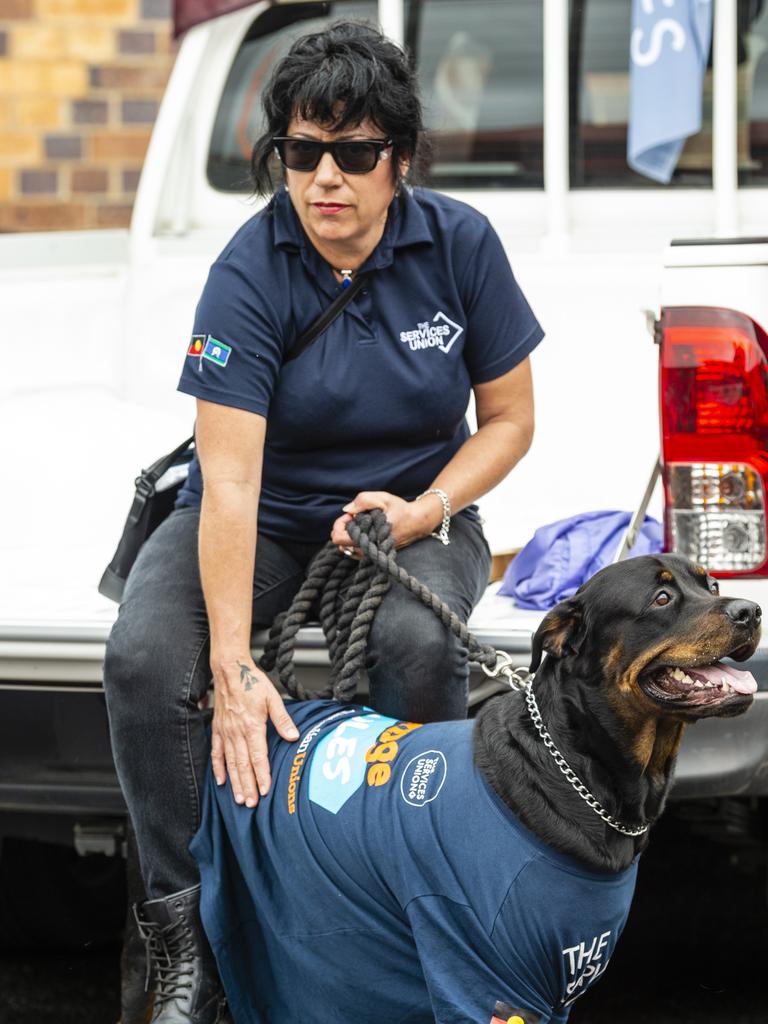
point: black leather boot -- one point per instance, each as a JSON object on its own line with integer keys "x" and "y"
{"x": 179, "y": 960}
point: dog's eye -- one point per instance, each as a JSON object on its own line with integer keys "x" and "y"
{"x": 714, "y": 588}
{"x": 662, "y": 598}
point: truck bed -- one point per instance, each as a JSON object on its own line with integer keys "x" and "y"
{"x": 72, "y": 454}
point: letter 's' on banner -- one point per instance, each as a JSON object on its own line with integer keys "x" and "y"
{"x": 669, "y": 47}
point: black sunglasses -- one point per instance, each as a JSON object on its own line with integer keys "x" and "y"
{"x": 356, "y": 156}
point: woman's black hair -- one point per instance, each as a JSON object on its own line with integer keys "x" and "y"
{"x": 339, "y": 78}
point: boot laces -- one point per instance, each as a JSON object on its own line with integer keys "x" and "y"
{"x": 170, "y": 951}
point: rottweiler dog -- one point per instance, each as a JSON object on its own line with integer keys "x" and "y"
{"x": 472, "y": 872}
{"x": 631, "y": 658}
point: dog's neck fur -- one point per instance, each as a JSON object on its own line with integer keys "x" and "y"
{"x": 628, "y": 772}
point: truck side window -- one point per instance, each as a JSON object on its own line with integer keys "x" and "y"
{"x": 480, "y": 68}
{"x": 238, "y": 119}
{"x": 481, "y": 75}
{"x": 752, "y": 80}
{"x": 599, "y": 33}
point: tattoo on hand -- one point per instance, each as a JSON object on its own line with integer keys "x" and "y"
{"x": 247, "y": 678}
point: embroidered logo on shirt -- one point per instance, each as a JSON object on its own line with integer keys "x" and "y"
{"x": 503, "y": 1013}
{"x": 217, "y": 351}
{"x": 423, "y": 778}
{"x": 197, "y": 345}
{"x": 441, "y": 333}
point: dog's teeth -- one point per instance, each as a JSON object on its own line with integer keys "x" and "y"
{"x": 708, "y": 685}
{"x": 699, "y": 685}
{"x": 687, "y": 679}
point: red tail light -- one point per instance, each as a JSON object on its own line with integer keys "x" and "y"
{"x": 714, "y": 422}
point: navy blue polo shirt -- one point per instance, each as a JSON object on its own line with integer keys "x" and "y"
{"x": 381, "y": 879}
{"x": 378, "y": 401}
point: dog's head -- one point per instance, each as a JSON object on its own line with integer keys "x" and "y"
{"x": 652, "y": 630}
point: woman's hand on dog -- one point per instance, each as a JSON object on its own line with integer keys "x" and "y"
{"x": 245, "y": 698}
{"x": 411, "y": 520}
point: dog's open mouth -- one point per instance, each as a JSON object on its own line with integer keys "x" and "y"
{"x": 699, "y": 686}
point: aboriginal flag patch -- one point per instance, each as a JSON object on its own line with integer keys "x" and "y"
{"x": 503, "y": 1013}
{"x": 197, "y": 345}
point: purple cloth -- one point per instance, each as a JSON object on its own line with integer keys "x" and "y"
{"x": 563, "y": 555}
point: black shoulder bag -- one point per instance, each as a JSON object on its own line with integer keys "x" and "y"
{"x": 158, "y": 486}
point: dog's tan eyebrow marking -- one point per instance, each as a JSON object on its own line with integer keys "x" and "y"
{"x": 700, "y": 571}
{"x": 665, "y": 576}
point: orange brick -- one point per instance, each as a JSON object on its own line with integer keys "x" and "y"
{"x": 43, "y": 78}
{"x": 88, "y": 8}
{"x": 90, "y": 43}
{"x": 47, "y": 216}
{"x": 119, "y": 145}
{"x": 18, "y": 9}
{"x": 38, "y": 42}
{"x": 18, "y": 77}
{"x": 38, "y": 112}
{"x": 7, "y": 183}
{"x": 19, "y": 148}
{"x": 67, "y": 78}
{"x": 90, "y": 179}
{"x": 139, "y": 78}
{"x": 5, "y": 113}
{"x": 113, "y": 216}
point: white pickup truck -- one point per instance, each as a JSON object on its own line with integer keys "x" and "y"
{"x": 96, "y": 327}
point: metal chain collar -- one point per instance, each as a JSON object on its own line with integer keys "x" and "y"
{"x": 521, "y": 679}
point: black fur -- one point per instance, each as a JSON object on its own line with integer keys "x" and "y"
{"x": 600, "y": 646}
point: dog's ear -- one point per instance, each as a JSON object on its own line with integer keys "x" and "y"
{"x": 561, "y": 632}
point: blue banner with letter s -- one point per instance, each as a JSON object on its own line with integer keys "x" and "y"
{"x": 669, "y": 47}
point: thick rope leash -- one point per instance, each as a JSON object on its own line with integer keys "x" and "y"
{"x": 344, "y": 594}
{"x": 347, "y": 594}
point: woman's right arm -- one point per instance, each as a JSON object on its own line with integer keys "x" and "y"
{"x": 230, "y": 446}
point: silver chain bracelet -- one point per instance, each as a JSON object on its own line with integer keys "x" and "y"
{"x": 441, "y": 534}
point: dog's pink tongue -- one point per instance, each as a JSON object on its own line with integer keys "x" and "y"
{"x": 742, "y": 682}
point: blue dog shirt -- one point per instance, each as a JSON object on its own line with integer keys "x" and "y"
{"x": 381, "y": 879}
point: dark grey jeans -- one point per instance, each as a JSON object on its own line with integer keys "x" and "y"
{"x": 157, "y": 669}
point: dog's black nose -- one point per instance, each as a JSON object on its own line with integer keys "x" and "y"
{"x": 744, "y": 613}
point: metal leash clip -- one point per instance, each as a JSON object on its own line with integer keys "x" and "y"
{"x": 518, "y": 678}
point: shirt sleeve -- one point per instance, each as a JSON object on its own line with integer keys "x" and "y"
{"x": 501, "y": 327}
{"x": 236, "y": 350}
{"x": 465, "y": 977}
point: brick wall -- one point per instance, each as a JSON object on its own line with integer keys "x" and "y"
{"x": 80, "y": 86}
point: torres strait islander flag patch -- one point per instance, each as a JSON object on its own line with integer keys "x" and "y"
{"x": 503, "y": 1013}
{"x": 217, "y": 351}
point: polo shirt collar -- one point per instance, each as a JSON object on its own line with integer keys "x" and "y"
{"x": 406, "y": 225}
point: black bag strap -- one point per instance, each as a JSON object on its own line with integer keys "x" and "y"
{"x": 326, "y": 318}
{"x": 147, "y": 479}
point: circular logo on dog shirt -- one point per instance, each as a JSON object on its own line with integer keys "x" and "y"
{"x": 423, "y": 778}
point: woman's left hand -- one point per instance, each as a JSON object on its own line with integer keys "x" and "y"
{"x": 411, "y": 520}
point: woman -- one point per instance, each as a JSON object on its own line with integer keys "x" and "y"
{"x": 370, "y": 415}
